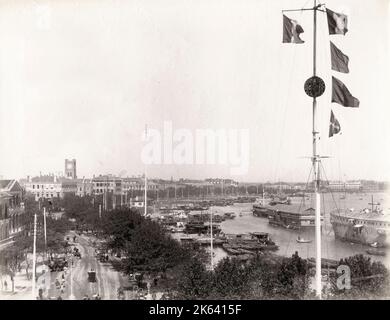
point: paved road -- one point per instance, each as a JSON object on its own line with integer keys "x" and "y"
{"x": 108, "y": 280}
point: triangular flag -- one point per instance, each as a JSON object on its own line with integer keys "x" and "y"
{"x": 291, "y": 31}
{"x": 339, "y": 59}
{"x": 337, "y": 22}
{"x": 334, "y": 127}
{"x": 341, "y": 95}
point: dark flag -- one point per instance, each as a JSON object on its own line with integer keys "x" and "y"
{"x": 341, "y": 95}
{"x": 291, "y": 31}
{"x": 337, "y": 22}
{"x": 339, "y": 59}
{"x": 334, "y": 127}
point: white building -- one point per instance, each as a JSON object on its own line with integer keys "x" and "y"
{"x": 49, "y": 186}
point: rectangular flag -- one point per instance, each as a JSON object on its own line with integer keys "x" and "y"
{"x": 337, "y": 22}
{"x": 339, "y": 59}
{"x": 334, "y": 127}
{"x": 341, "y": 95}
{"x": 291, "y": 31}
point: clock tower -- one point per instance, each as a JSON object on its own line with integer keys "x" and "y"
{"x": 70, "y": 169}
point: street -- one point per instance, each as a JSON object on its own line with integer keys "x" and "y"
{"x": 76, "y": 278}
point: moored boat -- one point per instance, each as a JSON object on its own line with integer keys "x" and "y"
{"x": 302, "y": 240}
{"x": 376, "y": 252}
{"x": 367, "y": 226}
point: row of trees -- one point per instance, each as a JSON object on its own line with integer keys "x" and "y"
{"x": 146, "y": 247}
{"x": 369, "y": 279}
{"x": 263, "y": 277}
{"x": 144, "y": 243}
{"x": 279, "y": 278}
{"x": 14, "y": 258}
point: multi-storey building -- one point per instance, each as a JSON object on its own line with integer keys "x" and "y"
{"x": 11, "y": 208}
{"x": 224, "y": 182}
{"x": 345, "y": 186}
{"x": 106, "y": 184}
{"x": 84, "y": 187}
{"x": 50, "y": 186}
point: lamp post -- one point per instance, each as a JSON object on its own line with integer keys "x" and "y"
{"x": 71, "y": 297}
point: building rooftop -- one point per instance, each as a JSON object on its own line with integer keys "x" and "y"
{"x": 292, "y": 208}
{"x": 5, "y": 184}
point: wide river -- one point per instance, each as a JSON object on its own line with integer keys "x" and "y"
{"x": 286, "y": 238}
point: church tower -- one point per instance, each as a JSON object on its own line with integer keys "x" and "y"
{"x": 70, "y": 169}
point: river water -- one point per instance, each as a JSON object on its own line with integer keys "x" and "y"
{"x": 286, "y": 238}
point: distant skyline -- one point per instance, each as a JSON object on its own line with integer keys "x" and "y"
{"x": 80, "y": 79}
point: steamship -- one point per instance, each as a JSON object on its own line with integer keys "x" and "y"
{"x": 369, "y": 226}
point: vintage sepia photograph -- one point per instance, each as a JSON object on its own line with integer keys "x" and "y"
{"x": 204, "y": 150}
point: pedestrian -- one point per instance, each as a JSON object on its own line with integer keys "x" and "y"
{"x": 40, "y": 294}
{"x": 5, "y": 285}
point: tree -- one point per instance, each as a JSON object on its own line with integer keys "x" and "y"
{"x": 10, "y": 261}
{"x": 23, "y": 242}
{"x": 368, "y": 278}
{"x": 150, "y": 249}
{"x": 75, "y": 206}
{"x": 143, "y": 242}
{"x": 263, "y": 275}
{"x": 194, "y": 282}
{"x": 230, "y": 279}
{"x": 293, "y": 278}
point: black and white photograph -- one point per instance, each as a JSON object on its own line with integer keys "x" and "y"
{"x": 197, "y": 150}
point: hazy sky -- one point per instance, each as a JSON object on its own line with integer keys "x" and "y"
{"x": 79, "y": 79}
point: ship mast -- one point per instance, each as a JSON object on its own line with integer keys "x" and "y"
{"x": 315, "y": 87}
{"x": 316, "y": 162}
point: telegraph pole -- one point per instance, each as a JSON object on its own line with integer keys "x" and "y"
{"x": 211, "y": 240}
{"x": 44, "y": 227}
{"x": 34, "y": 257}
{"x": 71, "y": 296}
{"x": 146, "y": 179}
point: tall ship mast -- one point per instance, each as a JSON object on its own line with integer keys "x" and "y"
{"x": 315, "y": 87}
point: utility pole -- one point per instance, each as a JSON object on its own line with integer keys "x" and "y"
{"x": 146, "y": 179}
{"x": 211, "y": 240}
{"x": 34, "y": 257}
{"x": 71, "y": 297}
{"x": 44, "y": 230}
